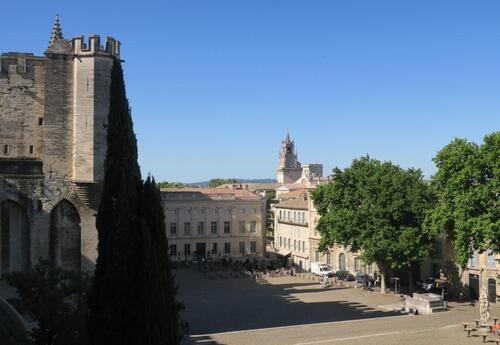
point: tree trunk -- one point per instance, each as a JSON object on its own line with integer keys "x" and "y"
{"x": 410, "y": 279}
{"x": 382, "y": 280}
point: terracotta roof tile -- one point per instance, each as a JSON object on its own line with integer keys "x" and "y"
{"x": 296, "y": 204}
{"x": 294, "y": 193}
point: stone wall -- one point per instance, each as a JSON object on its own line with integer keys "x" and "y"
{"x": 58, "y": 124}
{"x": 91, "y": 104}
{"x": 38, "y": 198}
{"x": 53, "y": 117}
{"x": 288, "y": 175}
{"x": 21, "y": 105}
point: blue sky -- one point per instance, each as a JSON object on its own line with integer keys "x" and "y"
{"x": 214, "y": 85}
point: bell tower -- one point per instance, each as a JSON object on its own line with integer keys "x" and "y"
{"x": 289, "y": 168}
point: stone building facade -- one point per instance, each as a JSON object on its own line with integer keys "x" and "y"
{"x": 340, "y": 258}
{"x": 53, "y": 113}
{"x": 483, "y": 268}
{"x": 295, "y": 220}
{"x": 292, "y": 231}
{"x": 214, "y": 223}
{"x": 296, "y": 235}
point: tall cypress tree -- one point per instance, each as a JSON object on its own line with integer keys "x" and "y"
{"x": 113, "y": 302}
{"x": 163, "y": 279}
{"x": 131, "y": 301}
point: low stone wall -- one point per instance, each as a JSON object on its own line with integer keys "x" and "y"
{"x": 424, "y": 303}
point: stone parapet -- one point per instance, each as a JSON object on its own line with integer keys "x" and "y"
{"x": 425, "y": 303}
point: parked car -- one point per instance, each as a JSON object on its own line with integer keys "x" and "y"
{"x": 344, "y": 275}
{"x": 428, "y": 285}
{"x": 321, "y": 269}
{"x": 362, "y": 278}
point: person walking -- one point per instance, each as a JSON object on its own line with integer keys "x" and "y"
{"x": 324, "y": 282}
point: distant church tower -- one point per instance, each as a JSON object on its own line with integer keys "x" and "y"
{"x": 289, "y": 168}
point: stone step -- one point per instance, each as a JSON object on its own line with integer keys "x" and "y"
{"x": 89, "y": 193}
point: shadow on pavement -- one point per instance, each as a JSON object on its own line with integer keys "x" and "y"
{"x": 224, "y": 305}
{"x": 200, "y": 339}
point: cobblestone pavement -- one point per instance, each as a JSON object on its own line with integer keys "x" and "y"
{"x": 295, "y": 311}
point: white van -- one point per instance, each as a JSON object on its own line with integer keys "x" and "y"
{"x": 321, "y": 269}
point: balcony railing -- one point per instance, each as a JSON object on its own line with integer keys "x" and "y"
{"x": 292, "y": 222}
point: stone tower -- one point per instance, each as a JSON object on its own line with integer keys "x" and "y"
{"x": 80, "y": 74}
{"x": 289, "y": 168}
{"x": 53, "y": 117}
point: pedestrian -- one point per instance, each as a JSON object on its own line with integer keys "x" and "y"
{"x": 324, "y": 282}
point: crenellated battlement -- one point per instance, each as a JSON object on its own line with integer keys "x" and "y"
{"x": 18, "y": 63}
{"x": 54, "y": 110}
{"x": 93, "y": 46}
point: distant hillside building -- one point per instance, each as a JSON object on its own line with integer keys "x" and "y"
{"x": 53, "y": 118}
{"x": 214, "y": 223}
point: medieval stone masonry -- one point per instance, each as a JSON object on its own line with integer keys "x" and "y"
{"x": 53, "y": 111}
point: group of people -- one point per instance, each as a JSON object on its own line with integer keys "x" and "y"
{"x": 368, "y": 283}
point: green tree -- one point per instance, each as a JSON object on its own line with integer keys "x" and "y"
{"x": 165, "y": 309}
{"x": 128, "y": 302}
{"x": 216, "y": 182}
{"x": 378, "y": 209}
{"x": 114, "y": 300}
{"x": 270, "y": 200}
{"x": 56, "y": 299}
{"x": 468, "y": 186}
{"x": 166, "y": 184}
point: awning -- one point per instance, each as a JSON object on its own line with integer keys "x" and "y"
{"x": 283, "y": 252}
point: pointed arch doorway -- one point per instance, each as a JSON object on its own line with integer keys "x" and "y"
{"x": 14, "y": 238}
{"x": 65, "y": 236}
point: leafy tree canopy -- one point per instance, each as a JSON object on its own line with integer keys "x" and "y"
{"x": 166, "y": 184}
{"x": 376, "y": 208}
{"x": 468, "y": 185}
{"x": 56, "y": 299}
{"x": 216, "y": 182}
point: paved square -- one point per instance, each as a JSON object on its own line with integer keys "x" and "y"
{"x": 292, "y": 310}
{"x": 235, "y": 304}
